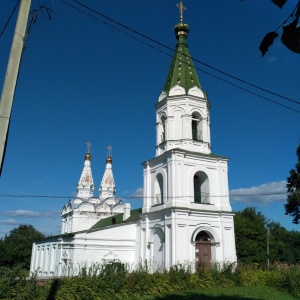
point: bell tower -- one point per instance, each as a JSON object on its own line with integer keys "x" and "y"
{"x": 186, "y": 202}
{"x": 182, "y": 111}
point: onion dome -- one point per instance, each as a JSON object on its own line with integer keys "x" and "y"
{"x": 88, "y": 156}
{"x": 181, "y": 29}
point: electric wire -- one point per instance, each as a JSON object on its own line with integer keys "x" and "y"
{"x": 169, "y": 48}
{"x": 171, "y": 55}
{"x": 290, "y": 16}
{"x": 9, "y": 18}
{"x": 140, "y": 197}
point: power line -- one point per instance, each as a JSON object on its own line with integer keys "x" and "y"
{"x": 169, "y": 48}
{"x": 139, "y": 197}
{"x": 9, "y": 18}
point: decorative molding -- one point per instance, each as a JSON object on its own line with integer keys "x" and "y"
{"x": 110, "y": 256}
{"x": 195, "y": 91}
{"x": 162, "y": 96}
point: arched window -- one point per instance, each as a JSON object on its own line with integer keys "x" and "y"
{"x": 159, "y": 190}
{"x": 201, "y": 188}
{"x": 196, "y": 127}
{"x": 202, "y": 236}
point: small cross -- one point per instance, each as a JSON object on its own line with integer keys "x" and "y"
{"x": 88, "y": 145}
{"x": 109, "y": 151}
{"x": 181, "y": 9}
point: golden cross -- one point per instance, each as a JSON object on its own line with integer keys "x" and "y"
{"x": 181, "y": 9}
{"x": 109, "y": 151}
{"x": 88, "y": 145}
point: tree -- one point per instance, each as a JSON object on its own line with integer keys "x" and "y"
{"x": 250, "y": 236}
{"x": 292, "y": 207}
{"x": 16, "y": 248}
{"x": 283, "y": 244}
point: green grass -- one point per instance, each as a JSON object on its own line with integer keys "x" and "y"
{"x": 232, "y": 293}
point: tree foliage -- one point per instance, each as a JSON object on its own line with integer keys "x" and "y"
{"x": 253, "y": 230}
{"x": 290, "y": 33}
{"x": 16, "y": 248}
{"x": 250, "y": 235}
{"x": 292, "y": 207}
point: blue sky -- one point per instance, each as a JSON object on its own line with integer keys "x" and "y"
{"x": 82, "y": 80}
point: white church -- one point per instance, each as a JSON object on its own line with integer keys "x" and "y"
{"x": 186, "y": 215}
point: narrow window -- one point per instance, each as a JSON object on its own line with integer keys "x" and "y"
{"x": 197, "y": 189}
{"x": 159, "y": 190}
{"x": 196, "y": 127}
{"x": 201, "y": 188}
{"x": 163, "y": 135}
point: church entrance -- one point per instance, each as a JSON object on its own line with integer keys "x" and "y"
{"x": 203, "y": 248}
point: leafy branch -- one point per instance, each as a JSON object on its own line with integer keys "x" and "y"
{"x": 290, "y": 33}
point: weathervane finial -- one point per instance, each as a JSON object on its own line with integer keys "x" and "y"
{"x": 181, "y": 9}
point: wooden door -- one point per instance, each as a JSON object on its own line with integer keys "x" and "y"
{"x": 203, "y": 252}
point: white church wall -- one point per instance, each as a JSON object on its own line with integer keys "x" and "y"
{"x": 46, "y": 258}
{"x": 182, "y": 241}
{"x": 178, "y": 172}
{"x": 84, "y": 220}
{"x": 63, "y": 255}
{"x": 117, "y": 243}
{"x": 157, "y": 252}
{"x": 228, "y": 240}
{"x": 179, "y": 228}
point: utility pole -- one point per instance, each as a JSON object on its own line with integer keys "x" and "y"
{"x": 11, "y": 75}
{"x": 268, "y": 248}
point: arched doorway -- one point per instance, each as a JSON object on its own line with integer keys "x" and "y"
{"x": 202, "y": 248}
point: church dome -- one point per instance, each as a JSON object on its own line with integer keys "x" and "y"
{"x": 88, "y": 156}
{"x": 181, "y": 28}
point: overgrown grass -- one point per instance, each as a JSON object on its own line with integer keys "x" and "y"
{"x": 118, "y": 281}
{"x": 231, "y": 293}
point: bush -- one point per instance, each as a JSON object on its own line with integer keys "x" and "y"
{"x": 288, "y": 280}
{"x": 117, "y": 281}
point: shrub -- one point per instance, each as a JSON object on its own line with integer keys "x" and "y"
{"x": 117, "y": 281}
{"x": 288, "y": 280}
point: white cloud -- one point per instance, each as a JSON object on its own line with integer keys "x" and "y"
{"x": 265, "y": 193}
{"x": 30, "y": 213}
{"x": 139, "y": 193}
{"x": 9, "y": 222}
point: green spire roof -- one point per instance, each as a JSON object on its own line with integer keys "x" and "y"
{"x": 182, "y": 70}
